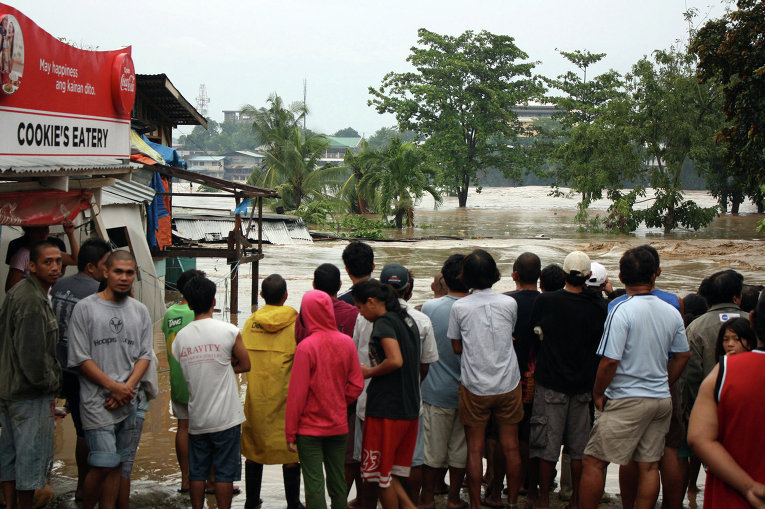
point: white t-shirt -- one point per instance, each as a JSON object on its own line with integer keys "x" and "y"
{"x": 484, "y": 321}
{"x": 640, "y": 332}
{"x": 203, "y": 349}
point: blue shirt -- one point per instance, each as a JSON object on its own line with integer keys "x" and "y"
{"x": 640, "y": 331}
{"x": 441, "y": 386}
{"x": 669, "y": 298}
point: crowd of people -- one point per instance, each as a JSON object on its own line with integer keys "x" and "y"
{"x": 363, "y": 387}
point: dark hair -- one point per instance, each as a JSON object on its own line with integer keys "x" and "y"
{"x": 654, "y": 253}
{"x": 479, "y": 270}
{"x": 326, "y": 278}
{"x": 274, "y": 287}
{"x": 574, "y": 278}
{"x": 742, "y": 329}
{"x": 185, "y": 277}
{"x": 637, "y": 266}
{"x": 694, "y": 305}
{"x": 749, "y": 296}
{"x": 119, "y": 255}
{"x": 359, "y": 259}
{"x": 91, "y": 251}
{"x": 528, "y": 266}
{"x": 373, "y": 288}
{"x": 35, "y": 252}
{"x": 552, "y": 278}
{"x": 406, "y": 293}
{"x": 200, "y": 294}
{"x": 451, "y": 273}
{"x": 723, "y": 287}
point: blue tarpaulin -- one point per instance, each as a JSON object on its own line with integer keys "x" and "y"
{"x": 170, "y": 155}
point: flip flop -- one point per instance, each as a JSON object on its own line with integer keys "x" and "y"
{"x": 501, "y": 505}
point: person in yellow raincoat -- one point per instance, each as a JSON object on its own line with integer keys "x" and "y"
{"x": 269, "y": 336}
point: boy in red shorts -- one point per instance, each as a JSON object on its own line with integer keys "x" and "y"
{"x": 393, "y": 395}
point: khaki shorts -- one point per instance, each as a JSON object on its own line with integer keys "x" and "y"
{"x": 630, "y": 428}
{"x": 506, "y": 408}
{"x": 445, "y": 444}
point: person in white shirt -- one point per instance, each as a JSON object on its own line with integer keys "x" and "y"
{"x": 210, "y": 353}
{"x": 481, "y": 329}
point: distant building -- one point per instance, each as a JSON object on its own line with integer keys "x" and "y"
{"x": 335, "y": 153}
{"x": 239, "y": 165}
{"x": 207, "y": 165}
{"x": 236, "y": 116}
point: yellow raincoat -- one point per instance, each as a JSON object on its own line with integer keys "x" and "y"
{"x": 269, "y": 335}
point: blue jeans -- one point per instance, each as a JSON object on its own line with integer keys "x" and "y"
{"x": 26, "y": 442}
{"x": 111, "y": 445}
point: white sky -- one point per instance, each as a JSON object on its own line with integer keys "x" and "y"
{"x": 244, "y": 50}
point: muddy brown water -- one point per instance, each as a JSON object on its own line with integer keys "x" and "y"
{"x": 504, "y": 221}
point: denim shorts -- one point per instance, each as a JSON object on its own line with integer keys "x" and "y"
{"x": 111, "y": 445}
{"x": 26, "y": 442}
{"x": 221, "y": 449}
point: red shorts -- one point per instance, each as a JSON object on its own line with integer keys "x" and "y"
{"x": 387, "y": 447}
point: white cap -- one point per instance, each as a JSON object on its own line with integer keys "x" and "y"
{"x": 577, "y": 261}
{"x": 598, "y": 276}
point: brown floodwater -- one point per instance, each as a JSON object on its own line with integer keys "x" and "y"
{"x": 504, "y": 221}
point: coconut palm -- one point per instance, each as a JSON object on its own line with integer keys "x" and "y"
{"x": 402, "y": 178}
{"x": 358, "y": 165}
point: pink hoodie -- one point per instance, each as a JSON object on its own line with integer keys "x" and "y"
{"x": 326, "y": 374}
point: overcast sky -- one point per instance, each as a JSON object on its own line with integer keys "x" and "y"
{"x": 244, "y": 50}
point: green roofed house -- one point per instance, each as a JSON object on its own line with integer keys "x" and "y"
{"x": 335, "y": 153}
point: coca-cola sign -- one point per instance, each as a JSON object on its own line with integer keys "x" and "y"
{"x": 123, "y": 83}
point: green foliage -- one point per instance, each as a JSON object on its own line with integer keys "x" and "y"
{"x": 292, "y": 163}
{"x": 348, "y": 132}
{"x": 361, "y": 227}
{"x": 220, "y": 138}
{"x": 318, "y": 212}
{"x": 383, "y": 136}
{"x": 459, "y": 102}
{"x": 399, "y": 176}
{"x": 731, "y": 51}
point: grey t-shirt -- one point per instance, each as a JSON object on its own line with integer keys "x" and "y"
{"x": 114, "y": 335}
{"x": 64, "y": 295}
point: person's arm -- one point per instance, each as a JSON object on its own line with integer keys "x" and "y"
{"x": 240, "y": 359}
{"x": 702, "y": 437}
{"x": 29, "y": 341}
{"x": 424, "y": 371}
{"x": 14, "y": 276}
{"x": 676, "y": 365}
{"x": 457, "y": 346}
{"x": 119, "y": 393}
{"x": 606, "y": 372}
{"x": 297, "y": 394}
{"x": 393, "y": 359}
{"x": 67, "y": 258}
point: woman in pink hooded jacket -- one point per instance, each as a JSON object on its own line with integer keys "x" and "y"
{"x": 326, "y": 378}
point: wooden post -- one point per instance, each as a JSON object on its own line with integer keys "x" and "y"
{"x": 234, "y": 262}
{"x": 256, "y": 263}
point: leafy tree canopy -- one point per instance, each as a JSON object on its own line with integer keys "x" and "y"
{"x": 459, "y": 99}
{"x": 348, "y": 132}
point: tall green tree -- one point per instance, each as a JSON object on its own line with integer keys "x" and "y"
{"x": 402, "y": 175}
{"x": 358, "y": 165}
{"x": 675, "y": 118}
{"x": 590, "y": 149}
{"x": 731, "y": 51}
{"x": 348, "y": 132}
{"x": 459, "y": 99}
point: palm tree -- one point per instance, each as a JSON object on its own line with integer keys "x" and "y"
{"x": 293, "y": 167}
{"x": 402, "y": 178}
{"x": 359, "y": 165}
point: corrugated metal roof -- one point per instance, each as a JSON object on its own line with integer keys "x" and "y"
{"x": 215, "y": 230}
{"x": 83, "y": 167}
{"x": 165, "y": 97}
{"x": 122, "y": 193}
{"x": 207, "y": 158}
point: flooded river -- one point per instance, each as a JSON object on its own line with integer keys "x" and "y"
{"x": 506, "y": 222}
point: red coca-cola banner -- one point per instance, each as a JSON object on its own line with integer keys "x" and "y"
{"x": 42, "y": 208}
{"x": 60, "y": 104}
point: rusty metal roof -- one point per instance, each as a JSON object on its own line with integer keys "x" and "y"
{"x": 217, "y": 230}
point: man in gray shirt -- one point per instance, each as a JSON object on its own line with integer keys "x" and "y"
{"x": 64, "y": 295}
{"x": 110, "y": 343}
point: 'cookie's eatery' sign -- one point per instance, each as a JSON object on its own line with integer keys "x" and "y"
{"x": 60, "y": 105}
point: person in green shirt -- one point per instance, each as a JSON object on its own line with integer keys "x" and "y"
{"x": 176, "y": 318}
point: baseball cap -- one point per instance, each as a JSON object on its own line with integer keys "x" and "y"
{"x": 577, "y": 261}
{"x": 598, "y": 276}
{"x": 396, "y": 275}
